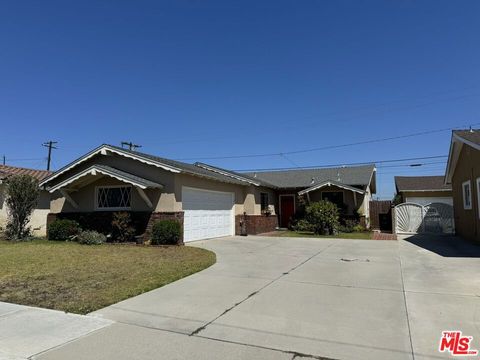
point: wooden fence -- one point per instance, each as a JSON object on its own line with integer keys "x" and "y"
{"x": 381, "y": 215}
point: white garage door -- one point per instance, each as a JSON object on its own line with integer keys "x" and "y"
{"x": 207, "y": 214}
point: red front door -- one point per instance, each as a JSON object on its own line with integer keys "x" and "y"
{"x": 287, "y": 209}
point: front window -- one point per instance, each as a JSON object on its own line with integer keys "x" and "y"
{"x": 467, "y": 195}
{"x": 264, "y": 201}
{"x": 335, "y": 197}
{"x": 114, "y": 197}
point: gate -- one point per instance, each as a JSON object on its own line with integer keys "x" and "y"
{"x": 434, "y": 218}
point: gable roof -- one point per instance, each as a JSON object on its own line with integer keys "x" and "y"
{"x": 166, "y": 164}
{"x": 111, "y": 172}
{"x": 7, "y": 170}
{"x": 421, "y": 183}
{"x": 330, "y": 183}
{"x": 460, "y": 138}
{"x": 305, "y": 178}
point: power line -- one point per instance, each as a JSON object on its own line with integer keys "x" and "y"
{"x": 329, "y": 147}
{"x": 344, "y": 164}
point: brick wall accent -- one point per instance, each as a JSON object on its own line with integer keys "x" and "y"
{"x": 51, "y": 217}
{"x": 157, "y": 216}
{"x": 256, "y": 224}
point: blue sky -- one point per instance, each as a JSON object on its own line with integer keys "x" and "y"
{"x": 195, "y": 79}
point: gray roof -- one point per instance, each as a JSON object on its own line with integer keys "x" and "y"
{"x": 472, "y": 135}
{"x": 185, "y": 167}
{"x": 420, "y": 183}
{"x": 127, "y": 176}
{"x": 304, "y": 178}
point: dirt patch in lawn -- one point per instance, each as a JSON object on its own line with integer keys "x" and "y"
{"x": 80, "y": 279}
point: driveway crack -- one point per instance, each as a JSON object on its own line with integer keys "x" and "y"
{"x": 405, "y": 301}
{"x": 203, "y": 327}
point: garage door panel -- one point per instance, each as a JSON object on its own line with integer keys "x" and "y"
{"x": 207, "y": 214}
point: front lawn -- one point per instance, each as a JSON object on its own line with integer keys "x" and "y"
{"x": 353, "y": 235}
{"x": 79, "y": 278}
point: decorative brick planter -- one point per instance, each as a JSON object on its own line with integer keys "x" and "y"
{"x": 101, "y": 221}
{"x": 256, "y": 224}
{"x": 157, "y": 216}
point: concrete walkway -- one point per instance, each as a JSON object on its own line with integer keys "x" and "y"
{"x": 282, "y": 298}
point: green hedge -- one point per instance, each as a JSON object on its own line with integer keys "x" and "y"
{"x": 62, "y": 230}
{"x": 166, "y": 232}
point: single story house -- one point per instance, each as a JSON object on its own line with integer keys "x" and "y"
{"x": 423, "y": 190}
{"x": 209, "y": 201}
{"x": 463, "y": 174}
{"x": 38, "y": 219}
{"x": 350, "y": 188}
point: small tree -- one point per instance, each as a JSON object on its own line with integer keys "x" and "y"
{"x": 22, "y": 193}
{"x": 323, "y": 217}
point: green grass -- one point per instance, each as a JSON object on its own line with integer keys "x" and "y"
{"x": 80, "y": 279}
{"x": 353, "y": 235}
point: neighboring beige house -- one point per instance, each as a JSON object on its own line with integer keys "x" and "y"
{"x": 38, "y": 219}
{"x": 423, "y": 190}
{"x": 463, "y": 174}
{"x": 209, "y": 201}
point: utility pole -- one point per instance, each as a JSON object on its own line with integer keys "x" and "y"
{"x": 131, "y": 145}
{"x": 50, "y": 145}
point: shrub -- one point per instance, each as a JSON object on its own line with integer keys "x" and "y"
{"x": 22, "y": 193}
{"x": 91, "y": 237}
{"x": 359, "y": 228}
{"x": 166, "y": 232}
{"x": 63, "y": 229}
{"x": 302, "y": 225}
{"x": 323, "y": 217}
{"x": 122, "y": 229}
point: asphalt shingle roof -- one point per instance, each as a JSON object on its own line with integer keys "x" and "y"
{"x": 7, "y": 170}
{"x": 185, "y": 167}
{"x": 470, "y": 135}
{"x": 420, "y": 183}
{"x": 127, "y": 176}
{"x": 352, "y": 175}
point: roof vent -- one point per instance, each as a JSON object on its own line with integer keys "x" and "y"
{"x": 312, "y": 181}
{"x": 471, "y": 130}
{"x": 255, "y": 175}
{"x": 339, "y": 178}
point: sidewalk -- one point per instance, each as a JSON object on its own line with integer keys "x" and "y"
{"x": 27, "y": 331}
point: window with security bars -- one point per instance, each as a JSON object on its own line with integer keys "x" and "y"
{"x": 114, "y": 197}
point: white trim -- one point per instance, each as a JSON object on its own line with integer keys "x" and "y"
{"x": 465, "y": 205}
{"x": 103, "y": 150}
{"x": 111, "y": 208}
{"x": 280, "y": 205}
{"x": 225, "y": 173}
{"x": 93, "y": 170}
{"x": 331, "y": 183}
{"x": 465, "y": 141}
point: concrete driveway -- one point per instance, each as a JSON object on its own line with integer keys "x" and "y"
{"x": 282, "y": 298}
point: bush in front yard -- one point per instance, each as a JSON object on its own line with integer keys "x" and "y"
{"x": 122, "y": 229}
{"x": 91, "y": 237}
{"x": 166, "y": 232}
{"x": 63, "y": 229}
{"x": 323, "y": 216}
